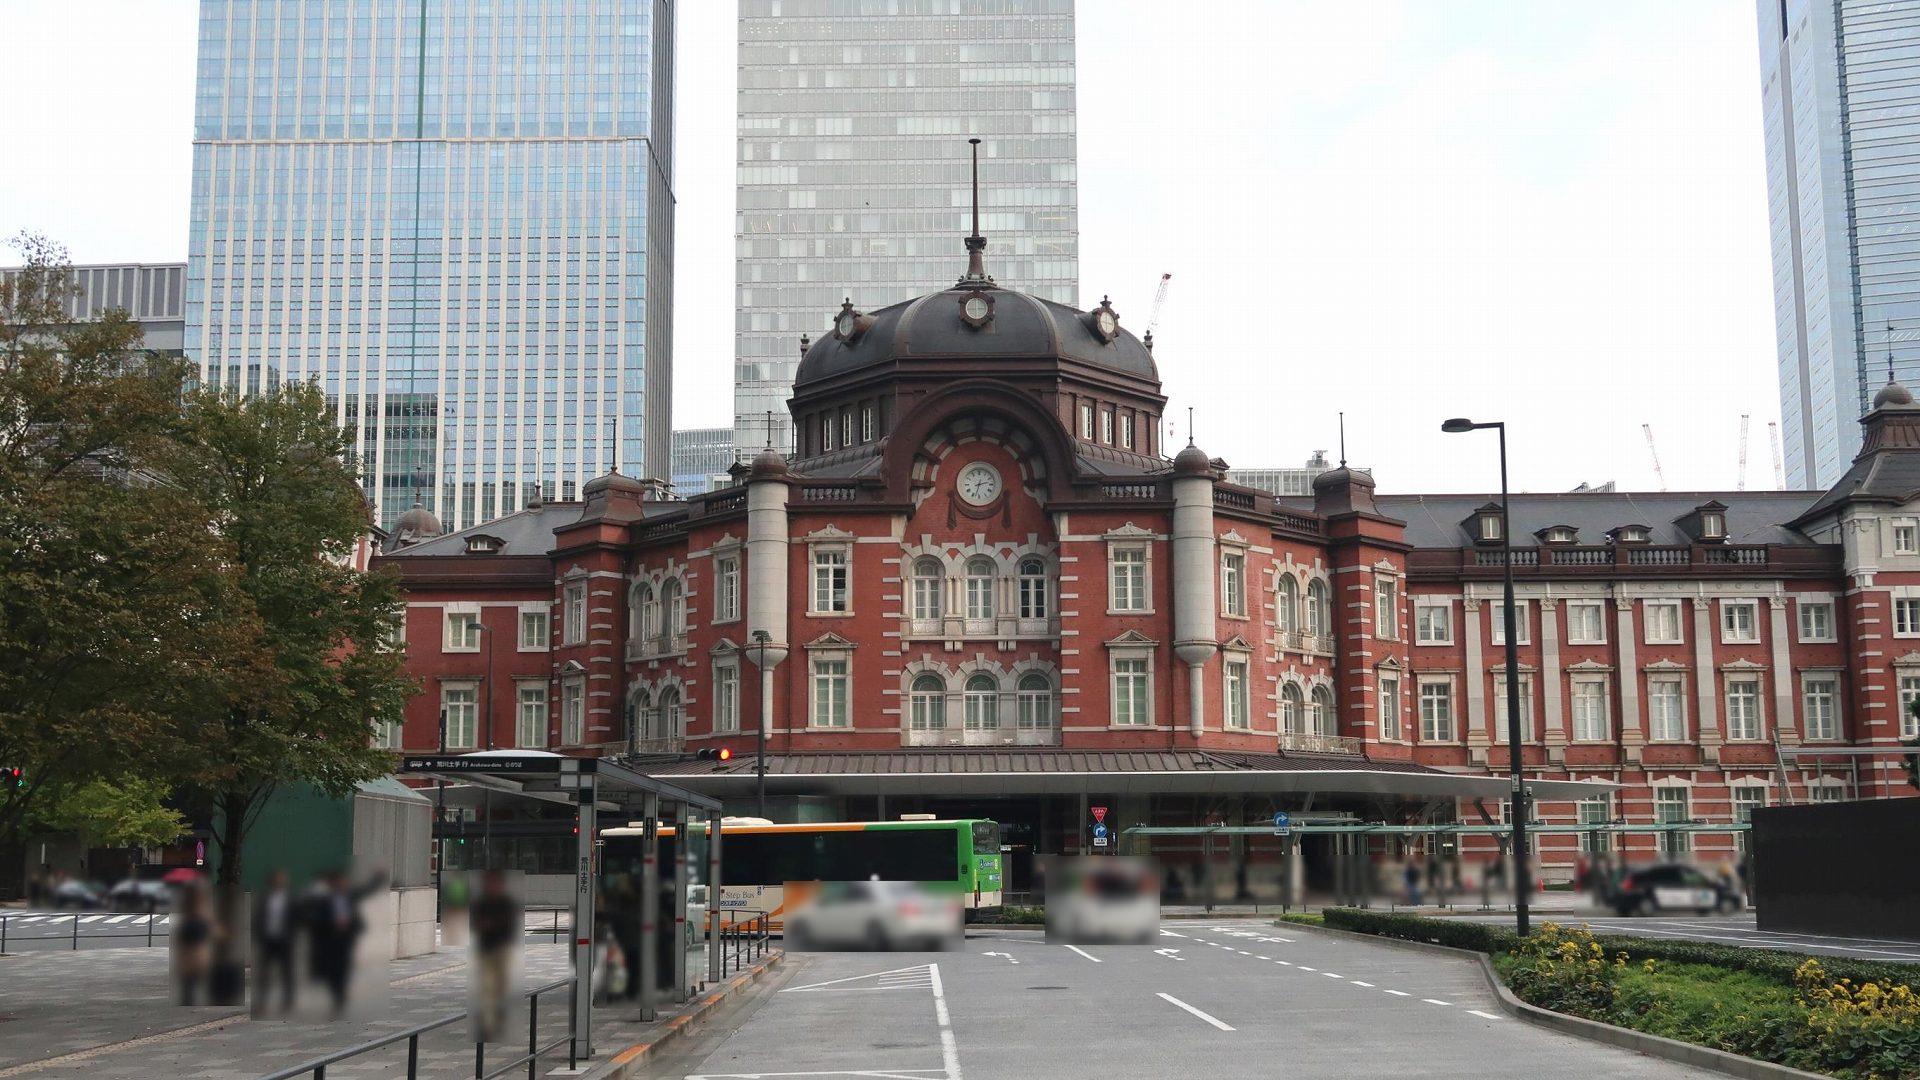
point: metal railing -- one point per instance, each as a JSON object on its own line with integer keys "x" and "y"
{"x": 317, "y": 1068}
{"x": 743, "y": 942}
{"x": 10, "y": 924}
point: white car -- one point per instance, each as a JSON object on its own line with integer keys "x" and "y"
{"x": 876, "y": 915}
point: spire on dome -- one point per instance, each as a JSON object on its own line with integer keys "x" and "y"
{"x": 976, "y": 244}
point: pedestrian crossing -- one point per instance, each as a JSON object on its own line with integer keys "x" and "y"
{"x": 84, "y": 918}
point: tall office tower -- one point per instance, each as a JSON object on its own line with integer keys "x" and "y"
{"x": 457, "y": 219}
{"x": 151, "y": 294}
{"x": 1839, "y": 87}
{"x": 701, "y": 457}
{"x": 854, "y": 175}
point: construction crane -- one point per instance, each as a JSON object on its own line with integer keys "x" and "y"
{"x": 1647, "y": 429}
{"x": 1740, "y": 481}
{"x": 1159, "y": 298}
{"x": 1779, "y": 470}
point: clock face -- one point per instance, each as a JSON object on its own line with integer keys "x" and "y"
{"x": 979, "y": 484}
{"x": 1107, "y": 323}
{"x": 976, "y": 308}
{"x": 845, "y": 324}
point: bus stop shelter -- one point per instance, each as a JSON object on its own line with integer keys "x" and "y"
{"x": 593, "y": 787}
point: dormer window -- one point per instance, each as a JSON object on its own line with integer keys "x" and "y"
{"x": 1631, "y": 534}
{"x": 1713, "y": 525}
{"x": 482, "y": 545}
{"x": 1484, "y": 525}
{"x": 1560, "y": 534}
{"x": 1706, "y": 523}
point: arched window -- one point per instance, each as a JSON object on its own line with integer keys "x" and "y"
{"x": 979, "y": 587}
{"x": 667, "y": 716}
{"x": 928, "y": 576}
{"x": 927, "y": 703}
{"x": 1033, "y": 589}
{"x": 1036, "y": 702}
{"x": 673, "y": 602}
{"x": 1293, "y": 719}
{"x": 982, "y": 703}
{"x": 1324, "y": 722}
{"x": 1286, "y": 608}
{"x": 641, "y": 719}
{"x": 1316, "y": 621}
{"x": 639, "y": 610}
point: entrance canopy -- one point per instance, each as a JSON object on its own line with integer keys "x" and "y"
{"x": 1015, "y": 771}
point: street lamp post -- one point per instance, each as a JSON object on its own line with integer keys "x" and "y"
{"x": 761, "y": 640}
{"x": 1517, "y": 801}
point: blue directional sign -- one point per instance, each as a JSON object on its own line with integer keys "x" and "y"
{"x": 1282, "y": 824}
{"x": 1099, "y": 834}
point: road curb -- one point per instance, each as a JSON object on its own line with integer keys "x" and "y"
{"x": 628, "y": 1061}
{"x": 1685, "y": 1053}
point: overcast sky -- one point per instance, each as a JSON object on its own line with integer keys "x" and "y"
{"x": 1552, "y": 213}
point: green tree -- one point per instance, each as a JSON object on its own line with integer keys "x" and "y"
{"x": 300, "y": 699}
{"x": 131, "y": 813}
{"x": 110, "y": 580}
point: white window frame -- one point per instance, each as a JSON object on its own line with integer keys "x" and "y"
{"x": 1665, "y": 813}
{"x": 1086, "y": 421}
{"x": 830, "y": 580}
{"x": 1035, "y": 590}
{"x": 463, "y": 716}
{"x": 530, "y": 714}
{"x": 1036, "y": 710}
{"x": 1819, "y": 611}
{"x": 726, "y": 588}
{"x": 1813, "y": 685}
{"x": 830, "y": 692}
{"x": 1106, "y": 426}
{"x": 573, "y": 710}
{"x": 980, "y": 703}
{"x": 1497, "y": 632}
{"x": 1286, "y": 603}
{"x": 1386, "y": 686}
{"x": 1386, "y": 607}
{"x": 1126, "y": 430}
{"x": 726, "y": 696}
{"x": 1432, "y": 622}
{"x": 1293, "y": 709}
{"x": 1826, "y": 790}
{"x": 1905, "y": 535}
{"x": 1587, "y": 726}
{"x": 1679, "y": 636}
{"x": 926, "y": 705}
{"x": 1743, "y": 799}
{"x": 925, "y": 591}
{"x": 1438, "y": 717}
{"x": 1498, "y": 709}
{"x": 846, "y": 427}
{"x": 1316, "y": 619}
{"x": 1731, "y": 633}
{"x": 1713, "y": 525}
{"x": 1745, "y": 684}
{"x": 980, "y": 591}
{"x": 1657, "y": 718}
{"x": 1122, "y": 601}
{"x": 1134, "y": 709}
{"x": 866, "y": 423}
{"x": 1323, "y": 711}
{"x": 1489, "y": 527}
{"x": 1594, "y": 810}
{"x": 457, "y": 615}
{"x": 573, "y": 611}
{"x": 1906, "y": 616}
{"x": 1236, "y": 676}
{"x": 1593, "y": 611}
{"x": 389, "y": 734}
{"x": 1233, "y": 582}
{"x": 1907, "y": 684}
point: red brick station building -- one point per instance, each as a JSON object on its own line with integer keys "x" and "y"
{"x": 982, "y": 586}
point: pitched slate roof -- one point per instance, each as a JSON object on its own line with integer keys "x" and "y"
{"x": 524, "y": 532}
{"x": 1753, "y": 517}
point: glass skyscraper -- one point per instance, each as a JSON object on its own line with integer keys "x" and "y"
{"x": 1841, "y": 93}
{"x": 457, "y": 218}
{"x": 854, "y": 175}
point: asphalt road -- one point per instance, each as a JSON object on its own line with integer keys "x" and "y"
{"x": 1218, "y": 1000}
{"x": 37, "y": 930}
{"x": 1737, "y": 930}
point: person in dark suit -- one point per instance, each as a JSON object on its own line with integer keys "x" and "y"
{"x": 334, "y": 925}
{"x": 276, "y": 927}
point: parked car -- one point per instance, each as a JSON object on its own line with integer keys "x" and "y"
{"x": 876, "y": 915}
{"x": 1670, "y": 887}
{"x": 145, "y": 889}
{"x": 74, "y": 893}
{"x": 1103, "y": 899}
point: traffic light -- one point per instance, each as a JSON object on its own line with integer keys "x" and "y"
{"x": 711, "y": 754}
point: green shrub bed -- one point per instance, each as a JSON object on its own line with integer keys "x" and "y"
{"x": 1849, "y": 1019}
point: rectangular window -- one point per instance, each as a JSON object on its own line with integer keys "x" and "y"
{"x": 1127, "y": 579}
{"x": 1126, "y": 431}
{"x": 830, "y": 694}
{"x": 1106, "y": 426}
{"x": 1590, "y": 710}
{"x": 1433, "y": 622}
{"x": 1586, "y": 622}
{"x": 726, "y": 587}
{"x": 1906, "y": 617}
{"x": 1821, "y": 793}
{"x": 1746, "y": 798}
{"x": 1233, "y": 587}
{"x": 1132, "y": 703}
{"x": 1909, "y": 692}
{"x": 1663, "y": 622}
{"x": 1597, "y": 810}
{"x": 459, "y": 704}
{"x": 866, "y": 423}
{"x": 1386, "y": 609}
{"x": 1816, "y": 620}
{"x": 1821, "y": 696}
{"x": 726, "y": 698}
{"x": 1743, "y": 707}
{"x": 1906, "y": 536}
{"x": 1086, "y": 420}
{"x": 530, "y": 716}
{"x": 846, "y": 427}
{"x": 1389, "y": 707}
{"x": 1497, "y": 614}
{"x": 574, "y": 614}
{"x": 463, "y": 630}
{"x": 1489, "y": 526}
{"x": 1500, "y": 726}
{"x": 573, "y": 712}
{"x": 1235, "y": 697}
{"x": 1672, "y": 806}
{"x": 533, "y": 630}
{"x": 830, "y": 580}
{"x": 389, "y": 735}
{"x": 1436, "y": 711}
{"x": 1666, "y": 709}
{"x": 1739, "y": 621}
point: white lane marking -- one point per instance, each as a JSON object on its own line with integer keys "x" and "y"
{"x": 93, "y": 918}
{"x": 1008, "y": 955}
{"x": 1304, "y": 967}
{"x": 1243, "y": 952}
{"x": 1263, "y": 958}
{"x": 33, "y": 918}
{"x": 1436, "y": 1001}
{"x": 1171, "y": 954}
{"x": 1399, "y": 993}
{"x": 1214, "y": 1020}
{"x": 118, "y": 919}
{"x": 1083, "y": 952}
{"x": 949, "y": 1052}
{"x": 1483, "y": 1015}
{"x": 1164, "y": 932}
{"x": 1357, "y": 982}
{"x": 896, "y": 978}
{"x": 1289, "y": 963}
{"x": 1331, "y": 975}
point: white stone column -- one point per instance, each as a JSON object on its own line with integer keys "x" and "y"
{"x": 1632, "y": 734}
{"x": 1784, "y": 719}
{"x": 1555, "y": 723}
{"x": 1706, "y": 683}
{"x": 767, "y": 539}
{"x": 1194, "y": 591}
{"x": 1476, "y": 676}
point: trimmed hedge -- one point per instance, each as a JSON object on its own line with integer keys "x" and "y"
{"x": 1487, "y": 938}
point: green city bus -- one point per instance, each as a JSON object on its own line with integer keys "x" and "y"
{"x": 758, "y": 859}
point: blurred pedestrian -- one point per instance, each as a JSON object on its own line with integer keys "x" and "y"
{"x": 334, "y": 926}
{"x": 192, "y": 945}
{"x": 497, "y": 927}
{"x": 1412, "y": 876}
{"x": 276, "y": 926}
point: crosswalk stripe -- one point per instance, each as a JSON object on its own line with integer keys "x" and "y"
{"x": 91, "y": 918}
{"x": 118, "y": 919}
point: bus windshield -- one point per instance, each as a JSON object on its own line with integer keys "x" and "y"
{"x": 986, "y": 838}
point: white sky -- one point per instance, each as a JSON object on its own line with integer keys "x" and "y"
{"x": 1552, "y": 213}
